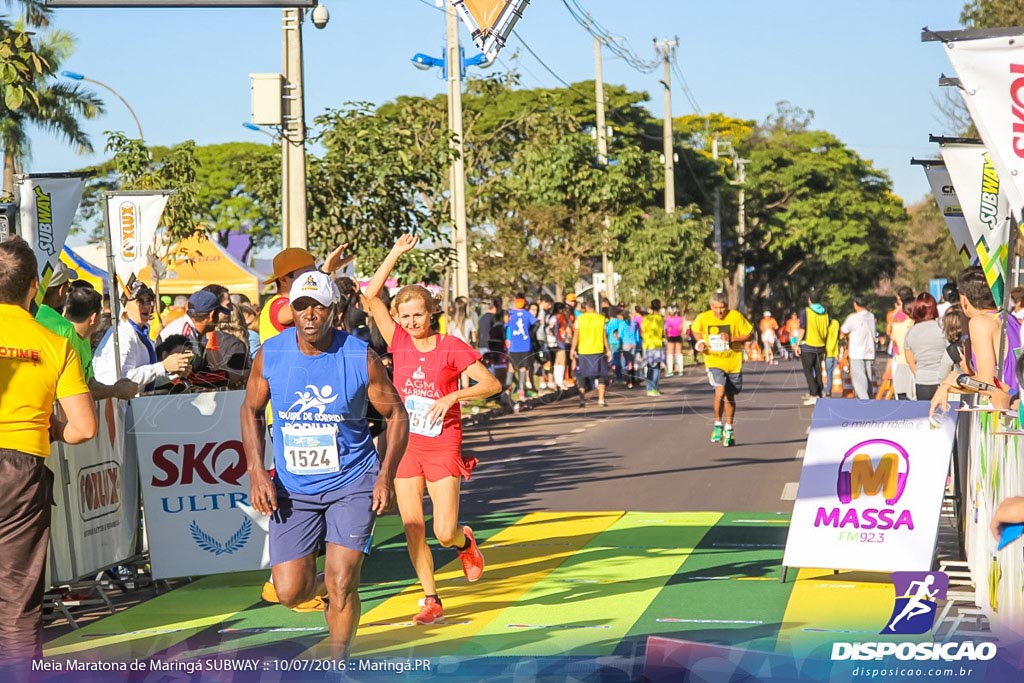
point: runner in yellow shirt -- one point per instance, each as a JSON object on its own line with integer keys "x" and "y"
{"x": 720, "y": 334}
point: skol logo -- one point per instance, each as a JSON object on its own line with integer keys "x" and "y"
{"x": 210, "y": 463}
{"x": 870, "y": 468}
{"x": 1017, "y": 108}
{"x": 99, "y": 490}
{"x": 129, "y": 222}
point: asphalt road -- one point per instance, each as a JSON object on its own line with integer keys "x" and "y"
{"x": 645, "y": 454}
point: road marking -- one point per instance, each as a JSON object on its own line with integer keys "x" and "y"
{"x": 553, "y": 442}
{"x": 274, "y": 630}
{"x": 556, "y": 626}
{"x": 761, "y": 521}
{"x": 789, "y": 490}
{"x": 800, "y": 453}
{"x": 579, "y": 430}
{"x": 748, "y": 545}
{"x": 670, "y": 620}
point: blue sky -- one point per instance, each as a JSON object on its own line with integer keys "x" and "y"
{"x": 860, "y": 66}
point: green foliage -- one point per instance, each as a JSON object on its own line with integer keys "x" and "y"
{"x": 992, "y": 13}
{"x": 177, "y": 170}
{"x": 370, "y": 184}
{"x": 818, "y": 215}
{"x": 667, "y": 256}
{"x": 927, "y": 250}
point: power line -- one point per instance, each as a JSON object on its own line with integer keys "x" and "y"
{"x": 618, "y": 45}
{"x": 685, "y": 87}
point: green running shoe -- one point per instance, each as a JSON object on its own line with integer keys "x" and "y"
{"x": 716, "y": 436}
{"x": 728, "y": 439}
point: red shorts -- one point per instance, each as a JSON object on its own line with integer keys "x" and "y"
{"x": 436, "y": 464}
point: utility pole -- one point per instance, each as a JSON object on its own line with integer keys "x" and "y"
{"x": 717, "y": 239}
{"x": 667, "y": 50}
{"x": 602, "y": 159}
{"x": 453, "y": 64}
{"x": 293, "y": 135}
{"x": 741, "y": 231}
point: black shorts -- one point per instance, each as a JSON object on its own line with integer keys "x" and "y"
{"x": 521, "y": 359}
{"x": 674, "y": 340}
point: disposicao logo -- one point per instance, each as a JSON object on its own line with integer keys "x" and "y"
{"x": 916, "y": 596}
{"x": 859, "y": 476}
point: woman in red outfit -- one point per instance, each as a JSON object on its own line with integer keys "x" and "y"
{"x": 427, "y": 367}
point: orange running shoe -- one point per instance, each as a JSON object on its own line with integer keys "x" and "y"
{"x": 472, "y": 558}
{"x": 430, "y": 611}
{"x": 314, "y": 604}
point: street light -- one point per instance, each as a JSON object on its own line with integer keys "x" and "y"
{"x": 252, "y": 126}
{"x": 458, "y": 168}
{"x": 79, "y": 77}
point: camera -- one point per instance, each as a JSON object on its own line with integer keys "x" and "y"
{"x": 320, "y": 16}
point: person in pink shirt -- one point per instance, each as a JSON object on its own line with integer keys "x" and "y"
{"x": 673, "y": 342}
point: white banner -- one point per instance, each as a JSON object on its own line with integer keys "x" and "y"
{"x": 871, "y": 487}
{"x": 952, "y": 212}
{"x": 47, "y": 206}
{"x": 133, "y": 220}
{"x": 194, "y": 485}
{"x": 991, "y": 72}
{"x": 986, "y": 208}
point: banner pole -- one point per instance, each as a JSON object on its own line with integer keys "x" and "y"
{"x": 115, "y": 286}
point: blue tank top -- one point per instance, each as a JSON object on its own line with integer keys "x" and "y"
{"x": 327, "y": 390}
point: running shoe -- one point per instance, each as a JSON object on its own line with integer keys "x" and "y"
{"x": 314, "y": 604}
{"x": 728, "y": 438}
{"x": 472, "y": 558}
{"x": 716, "y": 435}
{"x": 430, "y": 611}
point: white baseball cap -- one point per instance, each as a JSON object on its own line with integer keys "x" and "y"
{"x": 317, "y": 286}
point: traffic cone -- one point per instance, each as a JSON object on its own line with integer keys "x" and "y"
{"x": 844, "y": 372}
{"x": 837, "y": 382}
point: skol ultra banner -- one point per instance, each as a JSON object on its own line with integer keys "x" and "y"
{"x": 490, "y": 21}
{"x": 986, "y": 208}
{"x": 952, "y": 212}
{"x": 991, "y": 72}
{"x": 48, "y": 205}
{"x": 133, "y": 221}
{"x": 195, "y": 485}
{"x": 871, "y": 487}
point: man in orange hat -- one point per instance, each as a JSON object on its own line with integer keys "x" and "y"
{"x": 275, "y": 317}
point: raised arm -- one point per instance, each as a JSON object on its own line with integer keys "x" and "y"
{"x": 373, "y": 303}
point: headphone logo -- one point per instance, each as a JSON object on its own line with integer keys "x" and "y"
{"x": 862, "y": 476}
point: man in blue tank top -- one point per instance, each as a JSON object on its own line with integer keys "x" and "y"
{"x": 329, "y": 485}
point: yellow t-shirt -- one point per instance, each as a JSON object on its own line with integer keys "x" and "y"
{"x": 727, "y": 356}
{"x": 832, "y": 341}
{"x": 652, "y": 329}
{"x": 590, "y": 328}
{"x": 36, "y": 368}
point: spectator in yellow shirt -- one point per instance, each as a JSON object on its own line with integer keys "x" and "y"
{"x": 37, "y": 367}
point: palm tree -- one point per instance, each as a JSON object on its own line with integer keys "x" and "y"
{"x": 56, "y": 107}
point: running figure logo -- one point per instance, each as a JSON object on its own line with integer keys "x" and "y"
{"x": 315, "y": 398}
{"x": 916, "y": 596}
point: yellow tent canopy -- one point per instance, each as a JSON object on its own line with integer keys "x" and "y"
{"x": 195, "y": 263}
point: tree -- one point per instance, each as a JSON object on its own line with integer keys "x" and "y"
{"x": 818, "y": 215}
{"x": 56, "y": 107}
{"x": 927, "y": 251}
{"x": 992, "y": 13}
{"x": 667, "y": 256}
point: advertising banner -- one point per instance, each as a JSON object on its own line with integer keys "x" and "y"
{"x": 986, "y": 208}
{"x": 133, "y": 220}
{"x": 47, "y": 207}
{"x": 490, "y": 21}
{"x": 194, "y": 485}
{"x": 952, "y": 212}
{"x": 102, "y": 495}
{"x": 871, "y": 487}
{"x": 991, "y": 73}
